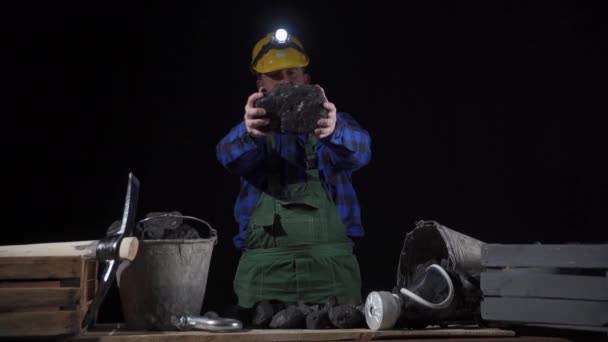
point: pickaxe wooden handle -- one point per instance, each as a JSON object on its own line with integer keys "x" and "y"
{"x": 127, "y": 249}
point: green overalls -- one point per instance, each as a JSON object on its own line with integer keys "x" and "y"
{"x": 296, "y": 247}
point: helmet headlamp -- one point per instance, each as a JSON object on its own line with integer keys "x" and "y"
{"x": 281, "y": 40}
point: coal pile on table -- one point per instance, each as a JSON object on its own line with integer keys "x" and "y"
{"x": 277, "y": 315}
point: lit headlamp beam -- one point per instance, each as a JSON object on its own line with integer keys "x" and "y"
{"x": 281, "y": 36}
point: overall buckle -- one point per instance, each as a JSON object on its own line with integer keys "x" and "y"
{"x": 311, "y": 163}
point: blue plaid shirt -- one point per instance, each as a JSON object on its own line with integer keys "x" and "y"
{"x": 339, "y": 155}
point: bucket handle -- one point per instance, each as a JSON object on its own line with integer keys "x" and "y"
{"x": 212, "y": 232}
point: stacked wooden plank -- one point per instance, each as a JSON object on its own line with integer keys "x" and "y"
{"x": 45, "y": 296}
{"x": 561, "y": 286}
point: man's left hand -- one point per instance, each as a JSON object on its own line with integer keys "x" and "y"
{"x": 325, "y": 127}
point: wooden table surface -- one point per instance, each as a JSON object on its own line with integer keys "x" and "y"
{"x": 111, "y": 334}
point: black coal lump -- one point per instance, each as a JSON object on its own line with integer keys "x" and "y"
{"x": 263, "y": 311}
{"x": 158, "y": 225}
{"x": 293, "y": 109}
{"x": 306, "y": 309}
{"x": 318, "y": 319}
{"x": 290, "y": 318}
{"x": 346, "y": 316}
{"x": 183, "y": 232}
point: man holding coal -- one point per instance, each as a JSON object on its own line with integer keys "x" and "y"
{"x": 297, "y": 209}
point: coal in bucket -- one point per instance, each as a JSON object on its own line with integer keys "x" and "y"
{"x": 169, "y": 274}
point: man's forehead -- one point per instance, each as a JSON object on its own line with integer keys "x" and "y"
{"x": 286, "y": 69}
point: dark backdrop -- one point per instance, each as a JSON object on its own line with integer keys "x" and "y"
{"x": 486, "y": 117}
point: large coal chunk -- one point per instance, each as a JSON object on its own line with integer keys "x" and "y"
{"x": 293, "y": 109}
{"x": 290, "y": 318}
{"x": 318, "y": 319}
{"x": 263, "y": 311}
{"x": 346, "y": 316}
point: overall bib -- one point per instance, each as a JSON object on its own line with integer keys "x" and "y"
{"x": 296, "y": 247}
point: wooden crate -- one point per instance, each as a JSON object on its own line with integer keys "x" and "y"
{"x": 560, "y": 286}
{"x": 45, "y": 296}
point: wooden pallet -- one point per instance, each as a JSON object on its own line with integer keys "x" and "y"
{"x": 45, "y": 296}
{"x": 560, "y": 286}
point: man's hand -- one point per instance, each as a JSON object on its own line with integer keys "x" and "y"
{"x": 255, "y": 118}
{"x": 325, "y": 127}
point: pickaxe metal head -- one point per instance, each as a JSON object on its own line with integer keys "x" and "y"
{"x": 109, "y": 247}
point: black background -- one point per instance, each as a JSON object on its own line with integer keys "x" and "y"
{"x": 487, "y": 117}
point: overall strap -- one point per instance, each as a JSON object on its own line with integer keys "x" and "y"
{"x": 274, "y": 175}
{"x": 311, "y": 153}
{"x": 312, "y": 162}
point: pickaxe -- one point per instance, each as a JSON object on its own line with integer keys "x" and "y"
{"x": 118, "y": 245}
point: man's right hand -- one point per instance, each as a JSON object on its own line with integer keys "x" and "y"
{"x": 255, "y": 118}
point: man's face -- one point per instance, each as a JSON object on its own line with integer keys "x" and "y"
{"x": 293, "y": 76}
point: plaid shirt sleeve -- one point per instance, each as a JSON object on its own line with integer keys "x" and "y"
{"x": 349, "y": 146}
{"x": 238, "y": 152}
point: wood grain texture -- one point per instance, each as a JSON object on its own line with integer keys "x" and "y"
{"x": 538, "y": 285}
{"x": 22, "y": 268}
{"x": 287, "y": 335}
{"x": 16, "y": 298}
{"x": 76, "y": 248}
{"x": 51, "y": 323}
{"x": 570, "y": 256}
{"x": 550, "y": 311}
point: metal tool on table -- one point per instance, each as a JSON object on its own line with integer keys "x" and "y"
{"x": 117, "y": 246}
{"x": 209, "y": 321}
{"x": 383, "y": 308}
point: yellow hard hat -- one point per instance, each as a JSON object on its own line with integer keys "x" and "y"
{"x": 278, "y": 50}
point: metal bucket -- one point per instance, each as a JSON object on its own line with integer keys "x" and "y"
{"x": 430, "y": 242}
{"x": 167, "y": 278}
